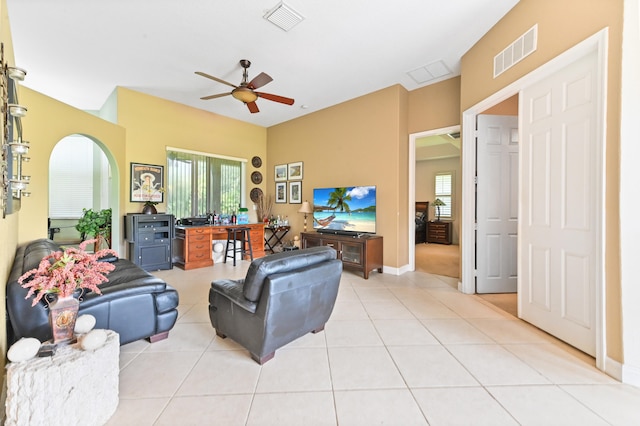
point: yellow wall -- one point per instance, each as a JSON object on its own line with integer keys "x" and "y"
{"x": 435, "y": 106}
{"x": 47, "y": 122}
{"x": 359, "y": 142}
{"x": 561, "y": 25}
{"x": 153, "y": 124}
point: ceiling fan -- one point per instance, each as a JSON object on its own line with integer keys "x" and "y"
{"x": 245, "y": 92}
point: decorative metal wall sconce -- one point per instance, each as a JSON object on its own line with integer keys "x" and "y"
{"x": 13, "y": 183}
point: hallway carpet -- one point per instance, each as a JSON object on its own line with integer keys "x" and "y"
{"x": 438, "y": 259}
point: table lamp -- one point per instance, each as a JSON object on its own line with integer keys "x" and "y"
{"x": 437, "y": 203}
{"x": 306, "y": 209}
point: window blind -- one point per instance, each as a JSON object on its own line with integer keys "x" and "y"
{"x": 71, "y": 168}
{"x": 444, "y": 191}
{"x": 198, "y": 184}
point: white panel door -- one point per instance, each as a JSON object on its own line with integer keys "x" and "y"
{"x": 497, "y": 204}
{"x": 561, "y": 182}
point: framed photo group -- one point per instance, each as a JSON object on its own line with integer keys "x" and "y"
{"x": 291, "y": 172}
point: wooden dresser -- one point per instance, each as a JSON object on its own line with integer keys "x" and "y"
{"x": 439, "y": 232}
{"x": 193, "y": 244}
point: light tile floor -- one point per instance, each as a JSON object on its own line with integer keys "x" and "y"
{"x": 398, "y": 350}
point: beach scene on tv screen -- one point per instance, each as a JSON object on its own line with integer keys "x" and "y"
{"x": 345, "y": 209}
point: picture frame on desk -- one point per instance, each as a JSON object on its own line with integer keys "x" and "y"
{"x": 281, "y": 192}
{"x": 295, "y": 192}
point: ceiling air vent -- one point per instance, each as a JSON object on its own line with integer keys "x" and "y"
{"x": 432, "y": 71}
{"x": 525, "y": 45}
{"x": 283, "y": 16}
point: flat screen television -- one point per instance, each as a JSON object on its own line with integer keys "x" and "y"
{"x": 345, "y": 210}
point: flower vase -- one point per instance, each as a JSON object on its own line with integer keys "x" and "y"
{"x": 149, "y": 209}
{"x": 63, "y": 313}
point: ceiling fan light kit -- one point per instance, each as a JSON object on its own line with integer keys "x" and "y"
{"x": 245, "y": 92}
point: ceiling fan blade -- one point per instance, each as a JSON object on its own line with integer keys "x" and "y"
{"x": 275, "y": 98}
{"x": 206, "y": 98}
{"x": 252, "y": 107}
{"x": 259, "y": 81}
{"x": 215, "y": 79}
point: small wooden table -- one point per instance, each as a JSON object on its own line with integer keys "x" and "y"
{"x": 276, "y": 233}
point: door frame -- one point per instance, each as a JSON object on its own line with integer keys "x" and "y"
{"x": 412, "y": 188}
{"x": 598, "y": 42}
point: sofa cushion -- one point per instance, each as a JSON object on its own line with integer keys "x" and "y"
{"x": 282, "y": 262}
{"x": 35, "y": 251}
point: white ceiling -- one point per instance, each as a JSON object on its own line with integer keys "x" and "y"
{"x": 78, "y": 51}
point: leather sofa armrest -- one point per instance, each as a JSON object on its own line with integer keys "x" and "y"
{"x": 233, "y": 290}
{"x": 121, "y": 291}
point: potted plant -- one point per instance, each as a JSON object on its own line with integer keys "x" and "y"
{"x": 96, "y": 224}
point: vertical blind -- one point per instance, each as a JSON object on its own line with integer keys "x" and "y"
{"x": 444, "y": 191}
{"x": 199, "y": 184}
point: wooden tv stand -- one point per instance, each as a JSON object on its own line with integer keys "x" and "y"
{"x": 358, "y": 252}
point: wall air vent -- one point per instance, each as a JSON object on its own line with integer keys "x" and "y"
{"x": 283, "y": 16}
{"x": 525, "y": 45}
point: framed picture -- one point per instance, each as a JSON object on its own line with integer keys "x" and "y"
{"x": 295, "y": 192}
{"x": 281, "y": 173}
{"x": 295, "y": 171}
{"x": 281, "y": 192}
{"x": 147, "y": 183}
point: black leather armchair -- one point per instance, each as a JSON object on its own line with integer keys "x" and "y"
{"x": 133, "y": 303}
{"x": 283, "y": 297}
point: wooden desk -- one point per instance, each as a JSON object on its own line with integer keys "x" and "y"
{"x": 193, "y": 244}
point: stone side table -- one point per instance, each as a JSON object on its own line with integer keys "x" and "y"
{"x": 73, "y": 387}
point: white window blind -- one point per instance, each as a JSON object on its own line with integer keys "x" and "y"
{"x": 71, "y": 177}
{"x": 444, "y": 191}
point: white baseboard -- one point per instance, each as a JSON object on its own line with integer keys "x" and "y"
{"x": 613, "y": 368}
{"x": 631, "y": 375}
{"x": 395, "y": 271}
{"x": 622, "y": 372}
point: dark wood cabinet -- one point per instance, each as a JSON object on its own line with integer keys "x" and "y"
{"x": 150, "y": 239}
{"x": 439, "y": 232}
{"x": 358, "y": 252}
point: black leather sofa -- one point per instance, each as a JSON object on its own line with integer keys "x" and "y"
{"x": 282, "y": 297}
{"x": 134, "y": 303}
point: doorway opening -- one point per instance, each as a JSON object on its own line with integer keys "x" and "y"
{"x": 79, "y": 178}
{"x": 543, "y": 74}
{"x": 432, "y": 153}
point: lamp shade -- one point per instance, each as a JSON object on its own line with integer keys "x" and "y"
{"x": 438, "y": 202}
{"x": 305, "y": 208}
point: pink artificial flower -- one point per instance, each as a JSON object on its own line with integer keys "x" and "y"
{"x": 65, "y": 272}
